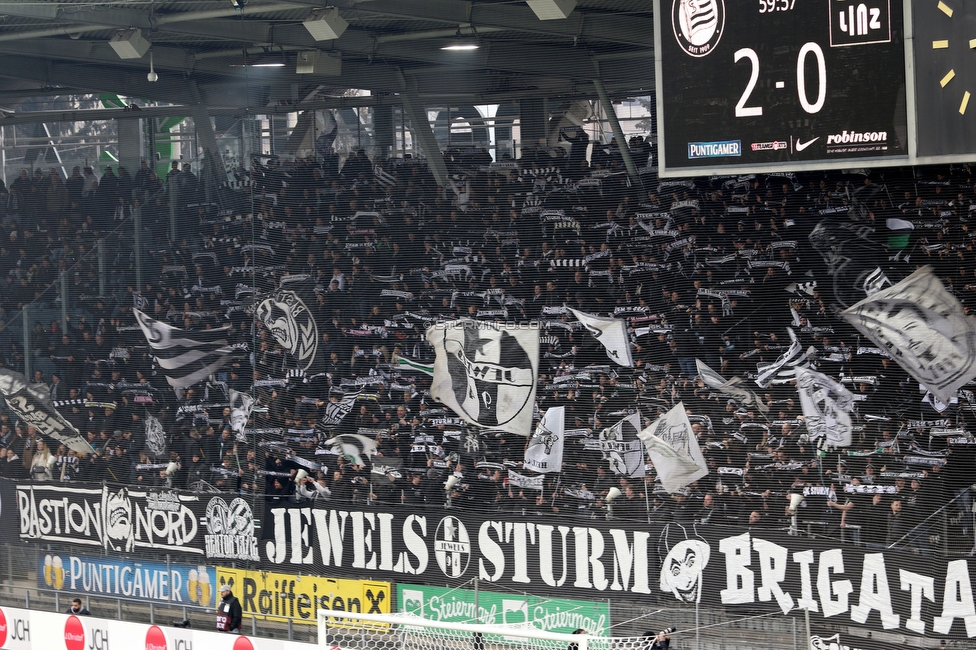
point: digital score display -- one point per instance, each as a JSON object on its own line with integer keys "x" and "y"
{"x": 768, "y": 84}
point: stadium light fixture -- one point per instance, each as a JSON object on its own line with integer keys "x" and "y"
{"x": 325, "y": 24}
{"x": 551, "y": 9}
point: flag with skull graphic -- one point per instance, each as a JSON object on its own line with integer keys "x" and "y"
{"x": 486, "y": 372}
{"x": 287, "y": 316}
{"x": 544, "y": 453}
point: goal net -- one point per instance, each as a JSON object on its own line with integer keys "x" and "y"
{"x": 355, "y": 631}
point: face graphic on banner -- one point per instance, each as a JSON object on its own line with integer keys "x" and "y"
{"x": 491, "y": 373}
{"x": 683, "y": 564}
{"x": 920, "y": 336}
{"x": 288, "y": 319}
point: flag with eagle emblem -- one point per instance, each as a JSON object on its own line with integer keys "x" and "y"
{"x": 544, "y": 454}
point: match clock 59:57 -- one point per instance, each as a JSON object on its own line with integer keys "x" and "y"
{"x": 762, "y": 82}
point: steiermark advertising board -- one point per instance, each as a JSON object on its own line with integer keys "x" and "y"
{"x": 458, "y": 606}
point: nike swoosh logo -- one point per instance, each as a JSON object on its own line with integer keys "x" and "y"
{"x": 800, "y": 146}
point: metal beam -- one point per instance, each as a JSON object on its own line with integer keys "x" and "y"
{"x": 618, "y": 132}
{"x": 414, "y": 108}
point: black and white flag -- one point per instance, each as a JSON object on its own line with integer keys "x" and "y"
{"x": 924, "y": 329}
{"x": 768, "y": 371}
{"x": 733, "y": 387}
{"x": 186, "y": 356}
{"x": 31, "y": 403}
{"x": 486, "y": 372}
{"x": 155, "y": 437}
{"x": 674, "y": 450}
{"x": 353, "y": 446}
{"x": 622, "y": 447}
{"x": 287, "y": 316}
{"x": 524, "y": 481}
{"x": 338, "y": 408}
{"x": 611, "y": 333}
{"x": 240, "y": 411}
{"x": 544, "y": 453}
{"x": 826, "y": 407}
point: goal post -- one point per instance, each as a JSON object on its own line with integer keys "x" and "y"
{"x": 356, "y": 631}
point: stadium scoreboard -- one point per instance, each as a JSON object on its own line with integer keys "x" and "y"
{"x": 767, "y": 85}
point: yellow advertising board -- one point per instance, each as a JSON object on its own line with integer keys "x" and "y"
{"x": 279, "y": 596}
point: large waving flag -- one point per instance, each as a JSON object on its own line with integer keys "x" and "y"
{"x": 544, "y": 454}
{"x": 622, "y": 447}
{"x": 32, "y": 404}
{"x": 186, "y": 356}
{"x": 924, "y": 329}
{"x": 611, "y": 333}
{"x": 241, "y": 405}
{"x": 674, "y": 450}
{"x": 732, "y": 387}
{"x": 486, "y": 372}
{"x": 353, "y": 446}
{"x": 826, "y": 407}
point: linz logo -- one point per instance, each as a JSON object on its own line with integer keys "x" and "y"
{"x": 698, "y": 25}
{"x": 860, "y": 22}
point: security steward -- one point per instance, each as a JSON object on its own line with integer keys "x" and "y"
{"x": 229, "y": 612}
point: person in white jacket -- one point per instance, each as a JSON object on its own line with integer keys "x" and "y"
{"x": 311, "y": 489}
{"x": 42, "y": 462}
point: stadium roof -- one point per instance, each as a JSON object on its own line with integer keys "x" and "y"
{"x": 205, "y": 52}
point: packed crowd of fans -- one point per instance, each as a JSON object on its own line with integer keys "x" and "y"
{"x": 716, "y": 269}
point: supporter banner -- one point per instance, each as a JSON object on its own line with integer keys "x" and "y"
{"x": 23, "y": 629}
{"x": 277, "y": 596}
{"x": 760, "y": 570}
{"x": 549, "y": 614}
{"x": 122, "y": 519}
{"x": 182, "y": 584}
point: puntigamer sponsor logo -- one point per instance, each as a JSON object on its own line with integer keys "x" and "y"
{"x": 722, "y": 148}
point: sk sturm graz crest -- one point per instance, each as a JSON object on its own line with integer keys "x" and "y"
{"x": 292, "y": 324}
{"x": 486, "y": 373}
{"x": 698, "y": 24}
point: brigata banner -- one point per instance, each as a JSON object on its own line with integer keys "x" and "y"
{"x": 181, "y": 584}
{"x": 279, "y": 596}
{"x": 760, "y": 569}
{"x": 127, "y": 519}
{"x": 491, "y": 608}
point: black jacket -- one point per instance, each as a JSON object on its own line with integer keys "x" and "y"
{"x": 230, "y": 607}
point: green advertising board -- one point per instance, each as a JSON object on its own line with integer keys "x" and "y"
{"x": 458, "y": 606}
